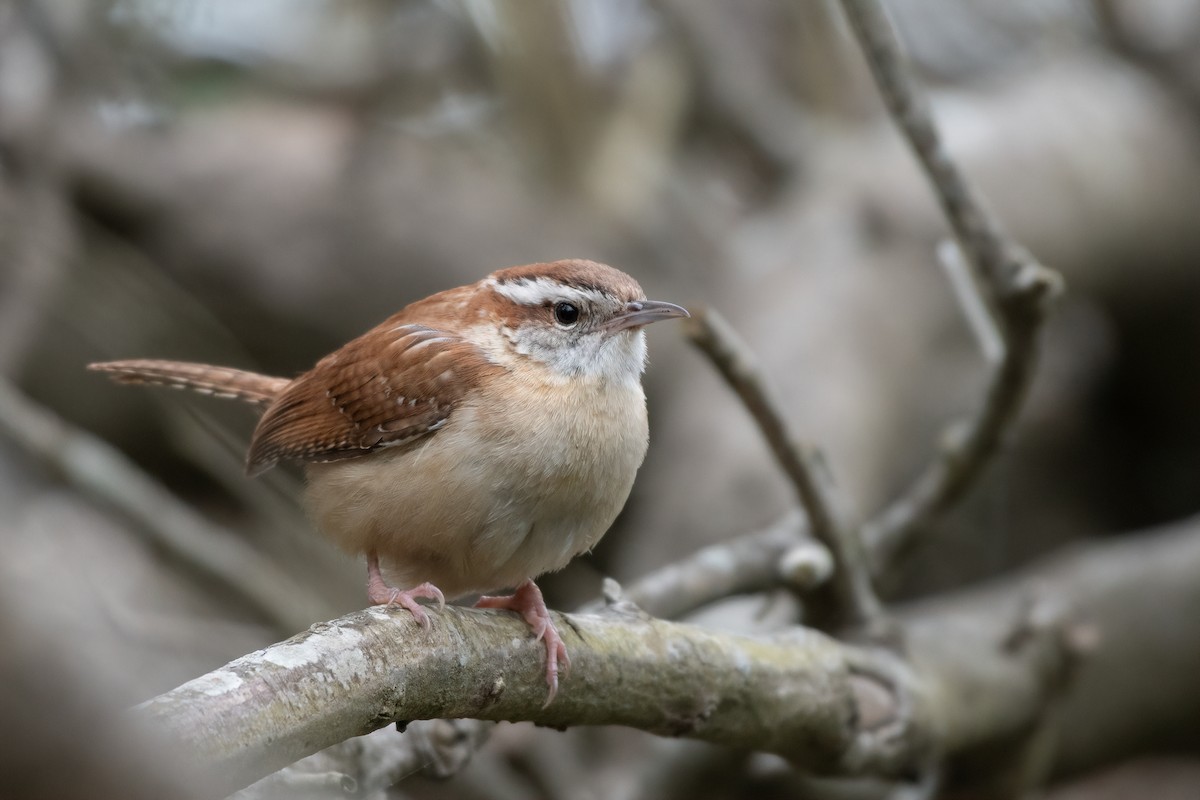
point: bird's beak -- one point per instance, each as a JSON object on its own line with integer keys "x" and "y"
{"x": 642, "y": 312}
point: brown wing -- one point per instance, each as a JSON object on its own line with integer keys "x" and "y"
{"x": 391, "y": 386}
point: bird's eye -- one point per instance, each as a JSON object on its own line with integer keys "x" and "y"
{"x": 566, "y": 314}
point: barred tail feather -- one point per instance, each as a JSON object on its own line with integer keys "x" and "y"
{"x": 216, "y": 381}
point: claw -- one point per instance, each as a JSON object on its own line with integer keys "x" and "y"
{"x": 528, "y": 602}
{"x": 381, "y": 594}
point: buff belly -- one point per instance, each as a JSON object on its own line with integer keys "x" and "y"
{"x": 482, "y": 505}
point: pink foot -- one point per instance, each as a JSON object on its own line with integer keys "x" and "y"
{"x": 527, "y": 601}
{"x": 381, "y": 594}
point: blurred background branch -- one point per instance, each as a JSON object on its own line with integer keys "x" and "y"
{"x": 1000, "y": 282}
{"x": 255, "y": 183}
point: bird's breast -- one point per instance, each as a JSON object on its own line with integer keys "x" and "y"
{"x": 522, "y": 478}
{"x": 566, "y": 462}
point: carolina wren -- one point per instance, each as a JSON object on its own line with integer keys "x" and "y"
{"x": 474, "y": 440}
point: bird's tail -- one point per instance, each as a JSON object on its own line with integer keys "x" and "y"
{"x": 216, "y": 381}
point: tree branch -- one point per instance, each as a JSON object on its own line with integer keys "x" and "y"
{"x": 985, "y": 664}
{"x": 746, "y": 564}
{"x": 991, "y": 251}
{"x": 743, "y": 565}
{"x": 801, "y": 694}
{"x": 1006, "y": 280}
{"x": 780, "y": 554}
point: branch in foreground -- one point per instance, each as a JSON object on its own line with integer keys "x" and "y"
{"x": 1012, "y": 285}
{"x": 854, "y": 600}
{"x": 822, "y": 704}
{"x": 983, "y": 676}
{"x": 743, "y": 565}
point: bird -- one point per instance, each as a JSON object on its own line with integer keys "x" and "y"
{"x": 473, "y": 441}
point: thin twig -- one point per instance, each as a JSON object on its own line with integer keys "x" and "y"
{"x": 973, "y": 300}
{"x": 854, "y": 600}
{"x": 1008, "y": 282}
{"x": 742, "y": 565}
{"x": 979, "y": 233}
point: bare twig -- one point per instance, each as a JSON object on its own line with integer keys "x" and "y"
{"x": 742, "y": 565}
{"x": 103, "y": 472}
{"x": 973, "y": 300}
{"x": 998, "y": 258}
{"x": 297, "y": 783}
{"x": 1007, "y": 281}
{"x": 854, "y": 600}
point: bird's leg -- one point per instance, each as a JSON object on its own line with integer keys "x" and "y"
{"x": 527, "y": 601}
{"x": 381, "y": 594}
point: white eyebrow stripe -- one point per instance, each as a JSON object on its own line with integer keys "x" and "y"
{"x": 540, "y": 291}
